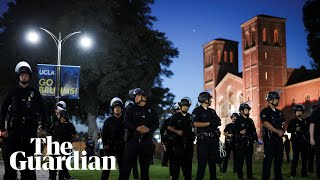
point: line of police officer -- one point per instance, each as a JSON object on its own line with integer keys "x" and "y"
{"x": 27, "y": 114}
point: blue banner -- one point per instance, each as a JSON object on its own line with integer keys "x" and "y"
{"x": 70, "y": 78}
{"x": 47, "y": 79}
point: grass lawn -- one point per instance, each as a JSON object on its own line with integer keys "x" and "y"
{"x": 162, "y": 173}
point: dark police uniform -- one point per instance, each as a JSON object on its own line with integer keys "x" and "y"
{"x": 113, "y": 136}
{"x": 26, "y": 108}
{"x": 139, "y": 144}
{"x": 182, "y": 145}
{"x": 311, "y": 149}
{"x": 315, "y": 119}
{"x": 230, "y": 146}
{"x": 61, "y": 132}
{"x": 300, "y": 144}
{"x": 273, "y": 144}
{"x": 166, "y": 139}
{"x": 244, "y": 144}
{"x": 90, "y": 145}
{"x": 207, "y": 141}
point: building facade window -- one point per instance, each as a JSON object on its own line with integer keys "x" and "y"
{"x": 231, "y": 56}
{"x": 246, "y": 40}
{"x": 219, "y": 56}
{"x": 276, "y": 37}
{"x": 225, "y": 56}
{"x": 307, "y": 103}
{"x": 266, "y": 75}
{"x": 264, "y": 35}
{"x": 265, "y": 56}
{"x": 253, "y": 37}
{"x": 293, "y": 102}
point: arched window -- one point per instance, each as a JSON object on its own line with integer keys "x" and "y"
{"x": 293, "y": 102}
{"x": 207, "y": 60}
{"x": 219, "y": 56}
{"x": 240, "y": 98}
{"x": 307, "y": 103}
{"x": 264, "y": 35}
{"x": 276, "y": 37}
{"x": 246, "y": 40}
{"x": 231, "y": 56}
{"x": 225, "y": 56}
{"x": 253, "y": 37}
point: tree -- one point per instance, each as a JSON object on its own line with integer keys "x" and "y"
{"x": 128, "y": 53}
{"x": 311, "y": 20}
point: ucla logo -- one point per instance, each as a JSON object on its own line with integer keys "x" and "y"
{"x": 46, "y": 72}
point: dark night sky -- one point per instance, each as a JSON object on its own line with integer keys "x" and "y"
{"x": 189, "y": 24}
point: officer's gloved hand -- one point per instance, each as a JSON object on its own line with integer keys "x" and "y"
{"x": 243, "y": 131}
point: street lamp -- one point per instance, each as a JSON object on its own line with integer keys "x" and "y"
{"x": 33, "y": 37}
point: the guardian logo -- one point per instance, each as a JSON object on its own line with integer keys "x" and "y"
{"x": 54, "y": 160}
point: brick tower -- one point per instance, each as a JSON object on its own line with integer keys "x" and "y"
{"x": 264, "y": 63}
{"x": 220, "y": 57}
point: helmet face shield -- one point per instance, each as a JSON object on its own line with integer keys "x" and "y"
{"x": 244, "y": 106}
{"x": 272, "y": 95}
{"x": 23, "y": 68}
{"x": 137, "y": 91}
{"x": 128, "y": 103}
{"x": 116, "y": 102}
{"x": 185, "y": 102}
{"x": 298, "y": 107}
{"x": 204, "y": 96}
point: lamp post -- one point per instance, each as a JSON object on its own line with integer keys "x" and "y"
{"x": 59, "y": 42}
{"x": 34, "y": 38}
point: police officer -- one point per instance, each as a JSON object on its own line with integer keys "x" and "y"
{"x": 135, "y": 171}
{"x": 90, "y": 145}
{"x": 299, "y": 129}
{"x": 273, "y": 129}
{"x": 206, "y": 122}
{"x": 62, "y": 131}
{"x": 28, "y": 113}
{"x": 246, "y": 136}
{"x": 311, "y": 152}
{"x": 61, "y": 105}
{"x": 141, "y": 122}
{"x": 113, "y": 135}
{"x": 181, "y": 125}
{"x": 230, "y": 144}
{"x": 315, "y": 135}
{"x": 166, "y": 139}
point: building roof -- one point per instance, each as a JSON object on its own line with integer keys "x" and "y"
{"x": 222, "y": 39}
{"x": 217, "y": 40}
{"x": 302, "y": 74}
{"x": 262, "y": 16}
{"x": 268, "y": 16}
{"x": 229, "y": 75}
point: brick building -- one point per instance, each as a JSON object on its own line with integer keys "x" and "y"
{"x": 264, "y": 69}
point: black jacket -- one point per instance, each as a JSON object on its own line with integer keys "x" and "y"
{"x": 113, "y": 131}
{"x": 27, "y": 111}
{"x": 140, "y": 115}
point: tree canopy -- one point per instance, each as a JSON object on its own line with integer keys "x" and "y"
{"x": 311, "y": 20}
{"x": 127, "y": 51}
